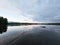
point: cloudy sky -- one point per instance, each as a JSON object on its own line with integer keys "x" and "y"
{"x": 30, "y": 10}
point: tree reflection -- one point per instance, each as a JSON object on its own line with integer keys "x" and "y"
{"x": 3, "y": 24}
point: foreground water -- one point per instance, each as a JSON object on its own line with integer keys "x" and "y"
{"x": 31, "y": 35}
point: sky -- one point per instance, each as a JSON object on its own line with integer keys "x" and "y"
{"x": 30, "y": 10}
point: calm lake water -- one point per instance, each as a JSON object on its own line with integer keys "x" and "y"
{"x": 31, "y": 35}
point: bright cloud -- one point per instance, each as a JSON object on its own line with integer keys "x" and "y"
{"x": 31, "y": 10}
{"x": 10, "y": 11}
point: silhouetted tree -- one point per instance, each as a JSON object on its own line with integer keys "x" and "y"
{"x": 3, "y": 24}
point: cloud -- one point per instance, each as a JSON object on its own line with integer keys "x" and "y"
{"x": 9, "y": 10}
{"x": 42, "y": 10}
{"x": 34, "y": 10}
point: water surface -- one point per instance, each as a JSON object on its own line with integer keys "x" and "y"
{"x": 31, "y": 35}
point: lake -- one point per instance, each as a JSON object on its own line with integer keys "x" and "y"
{"x": 31, "y": 35}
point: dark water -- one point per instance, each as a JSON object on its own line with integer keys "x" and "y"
{"x": 31, "y": 35}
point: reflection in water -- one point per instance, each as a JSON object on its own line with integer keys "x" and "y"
{"x": 3, "y": 29}
{"x": 3, "y": 24}
{"x": 31, "y": 35}
{"x": 39, "y": 36}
